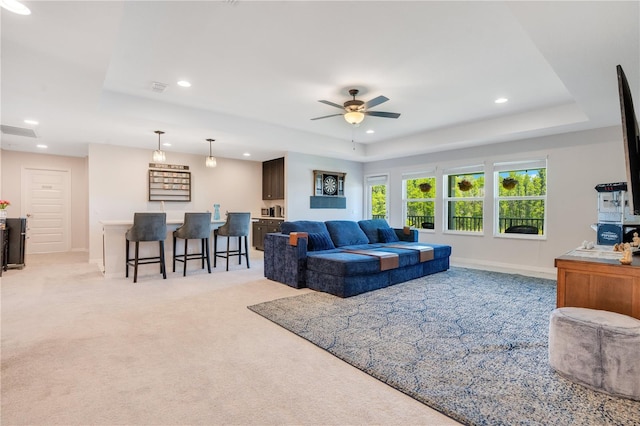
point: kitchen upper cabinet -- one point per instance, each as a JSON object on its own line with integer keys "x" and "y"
{"x": 273, "y": 179}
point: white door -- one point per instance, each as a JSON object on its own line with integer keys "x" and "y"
{"x": 46, "y": 195}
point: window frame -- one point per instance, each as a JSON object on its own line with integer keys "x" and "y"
{"x": 369, "y": 182}
{"x": 518, "y": 166}
{"x": 446, "y": 198}
{"x": 428, "y": 174}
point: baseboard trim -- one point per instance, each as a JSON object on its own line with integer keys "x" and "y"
{"x": 509, "y": 268}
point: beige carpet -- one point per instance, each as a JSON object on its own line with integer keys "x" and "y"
{"x": 79, "y": 349}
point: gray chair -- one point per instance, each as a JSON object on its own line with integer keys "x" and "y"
{"x": 146, "y": 227}
{"x": 237, "y": 225}
{"x": 197, "y": 226}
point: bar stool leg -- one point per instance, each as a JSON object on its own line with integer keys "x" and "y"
{"x": 135, "y": 263}
{"x": 206, "y": 247}
{"x": 186, "y": 247}
{"x": 174, "y": 253}
{"x": 202, "y": 251}
{"x": 126, "y": 274}
{"x": 163, "y": 267}
{"x": 227, "y": 252}
{"x": 246, "y": 250}
{"x": 215, "y": 247}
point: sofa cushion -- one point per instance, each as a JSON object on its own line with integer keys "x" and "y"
{"x": 320, "y": 241}
{"x": 303, "y": 226}
{"x": 387, "y": 235}
{"x": 342, "y": 263}
{"x": 346, "y": 233}
{"x": 371, "y": 227}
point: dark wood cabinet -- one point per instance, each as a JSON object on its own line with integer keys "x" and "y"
{"x": 273, "y": 179}
{"x": 261, "y": 227}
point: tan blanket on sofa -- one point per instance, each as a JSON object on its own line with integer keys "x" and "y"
{"x": 388, "y": 260}
{"x": 426, "y": 252}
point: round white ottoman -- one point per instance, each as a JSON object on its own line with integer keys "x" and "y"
{"x": 598, "y": 349}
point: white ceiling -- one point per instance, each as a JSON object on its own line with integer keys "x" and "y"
{"x": 84, "y": 70}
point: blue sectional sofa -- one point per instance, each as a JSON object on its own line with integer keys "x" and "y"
{"x": 346, "y": 258}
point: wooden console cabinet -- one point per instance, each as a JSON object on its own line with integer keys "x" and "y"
{"x": 599, "y": 284}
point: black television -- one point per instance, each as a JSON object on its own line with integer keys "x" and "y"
{"x": 631, "y": 139}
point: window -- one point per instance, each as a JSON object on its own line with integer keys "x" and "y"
{"x": 464, "y": 200}
{"x": 419, "y": 199}
{"x": 377, "y": 197}
{"x": 520, "y": 197}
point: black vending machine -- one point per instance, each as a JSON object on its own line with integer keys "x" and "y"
{"x": 17, "y": 230}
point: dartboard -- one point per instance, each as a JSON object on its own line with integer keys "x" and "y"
{"x": 330, "y": 185}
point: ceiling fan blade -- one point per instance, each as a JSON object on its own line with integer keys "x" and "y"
{"x": 375, "y": 101}
{"x": 332, "y": 104}
{"x": 326, "y": 116}
{"x": 383, "y": 114}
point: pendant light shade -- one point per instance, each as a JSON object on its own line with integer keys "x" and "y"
{"x": 211, "y": 160}
{"x": 159, "y": 155}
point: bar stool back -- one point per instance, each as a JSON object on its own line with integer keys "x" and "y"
{"x": 197, "y": 226}
{"x": 237, "y": 225}
{"x": 146, "y": 227}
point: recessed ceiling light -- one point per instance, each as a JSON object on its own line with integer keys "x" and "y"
{"x": 15, "y": 7}
{"x": 41, "y": 146}
{"x": 501, "y": 100}
{"x": 166, "y": 144}
{"x": 370, "y": 131}
{"x": 184, "y": 83}
{"x": 29, "y": 121}
{"x": 247, "y": 154}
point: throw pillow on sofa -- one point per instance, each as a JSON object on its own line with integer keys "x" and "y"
{"x": 371, "y": 227}
{"x": 320, "y": 241}
{"x": 388, "y": 235}
{"x": 346, "y": 233}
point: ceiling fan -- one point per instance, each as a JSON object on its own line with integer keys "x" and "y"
{"x": 355, "y": 109}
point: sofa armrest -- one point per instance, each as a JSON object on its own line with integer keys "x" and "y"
{"x": 284, "y": 262}
{"x": 407, "y": 234}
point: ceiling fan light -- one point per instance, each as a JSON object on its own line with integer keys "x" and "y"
{"x": 354, "y": 117}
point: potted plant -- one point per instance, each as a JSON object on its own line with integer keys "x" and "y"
{"x": 465, "y": 185}
{"x": 509, "y": 183}
{"x": 425, "y": 187}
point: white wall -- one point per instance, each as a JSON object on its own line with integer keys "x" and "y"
{"x": 299, "y": 187}
{"x": 118, "y": 187}
{"x": 12, "y": 164}
{"x": 576, "y": 163}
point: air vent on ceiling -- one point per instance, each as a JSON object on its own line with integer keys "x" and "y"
{"x": 18, "y": 131}
{"x": 158, "y": 87}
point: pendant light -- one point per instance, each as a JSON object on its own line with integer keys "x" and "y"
{"x": 211, "y": 160}
{"x": 158, "y": 154}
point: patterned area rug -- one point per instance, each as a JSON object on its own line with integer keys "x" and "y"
{"x": 470, "y": 344}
